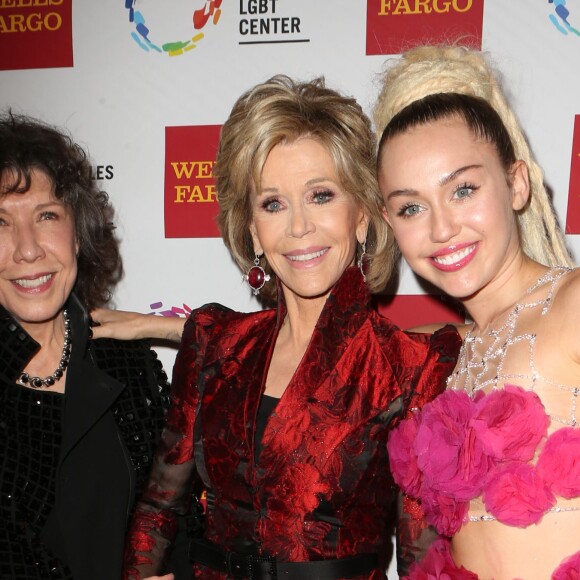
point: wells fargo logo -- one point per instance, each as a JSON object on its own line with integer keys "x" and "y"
{"x": 573, "y": 217}
{"x": 394, "y": 26}
{"x": 35, "y": 34}
{"x": 172, "y": 30}
{"x": 190, "y": 196}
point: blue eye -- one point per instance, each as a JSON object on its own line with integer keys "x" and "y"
{"x": 272, "y": 205}
{"x": 464, "y": 191}
{"x": 321, "y": 197}
{"x": 409, "y": 210}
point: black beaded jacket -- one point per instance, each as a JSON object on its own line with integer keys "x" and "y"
{"x": 72, "y": 523}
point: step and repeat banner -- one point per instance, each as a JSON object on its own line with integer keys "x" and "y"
{"x": 146, "y": 84}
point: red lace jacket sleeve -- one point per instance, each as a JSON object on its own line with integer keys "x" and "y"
{"x": 414, "y": 535}
{"x": 173, "y": 476}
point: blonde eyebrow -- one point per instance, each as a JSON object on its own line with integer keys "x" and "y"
{"x": 448, "y": 178}
{"x": 309, "y": 183}
{"x": 316, "y": 180}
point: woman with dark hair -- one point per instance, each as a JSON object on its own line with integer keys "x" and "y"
{"x": 79, "y": 418}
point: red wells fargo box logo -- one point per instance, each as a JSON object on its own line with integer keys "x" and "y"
{"x": 191, "y": 205}
{"x": 573, "y": 217}
{"x": 394, "y": 26}
{"x": 35, "y": 34}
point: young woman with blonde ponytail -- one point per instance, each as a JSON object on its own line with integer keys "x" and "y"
{"x": 453, "y": 69}
{"x": 493, "y": 463}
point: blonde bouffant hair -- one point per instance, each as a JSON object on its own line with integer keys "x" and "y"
{"x": 429, "y": 70}
{"x": 282, "y": 110}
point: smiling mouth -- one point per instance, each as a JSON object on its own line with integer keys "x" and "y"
{"x": 455, "y": 257}
{"x": 306, "y": 257}
{"x": 34, "y": 282}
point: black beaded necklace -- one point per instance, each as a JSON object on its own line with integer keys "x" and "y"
{"x": 37, "y": 382}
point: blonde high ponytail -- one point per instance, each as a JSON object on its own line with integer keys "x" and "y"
{"x": 452, "y": 69}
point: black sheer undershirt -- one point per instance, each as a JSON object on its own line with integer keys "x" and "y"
{"x": 266, "y": 408}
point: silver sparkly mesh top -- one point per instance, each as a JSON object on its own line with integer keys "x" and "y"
{"x": 506, "y": 354}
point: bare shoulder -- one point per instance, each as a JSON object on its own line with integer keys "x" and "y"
{"x": 562, "y": 325}
{"x": 568, "y": 294}
{"x": 571, "y": 281}
{"x": 564, "y": 319}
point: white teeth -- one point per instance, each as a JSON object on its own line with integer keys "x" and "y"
{"x": 306, "y": 257}
{"x": 455, "y": 257}
{"x": 26, "y": 283}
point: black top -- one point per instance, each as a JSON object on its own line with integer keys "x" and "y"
{"x": 31, "y": 423}
{"x": 266, "y": 408}
{"x": 71, "y": 464}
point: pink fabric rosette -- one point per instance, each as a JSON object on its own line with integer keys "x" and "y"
{"x": 444, "y": 513}
{"x": 569, "y": 569}
{"x": 449, "y": 451}
{"x": 402, "y": 456}
{"x": 517, "y": 495}
{"x": 510, "y": 422}
{"x": 559, "y": 462}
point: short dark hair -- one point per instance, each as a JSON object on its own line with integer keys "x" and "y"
{"x": 28, "y": 145}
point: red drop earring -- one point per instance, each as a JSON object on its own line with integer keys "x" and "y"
{"x": 256, "y": 276}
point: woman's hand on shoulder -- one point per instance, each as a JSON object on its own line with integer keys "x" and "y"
{"x": 125, "y": 325}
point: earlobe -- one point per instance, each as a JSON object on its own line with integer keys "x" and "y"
{"x": 520, "y": 185}
{"x": 362, "y": 229}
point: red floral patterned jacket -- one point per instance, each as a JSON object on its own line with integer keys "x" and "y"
{"x": 321, "y": 487}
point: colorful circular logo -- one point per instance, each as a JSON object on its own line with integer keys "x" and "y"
{"x": 154, "y": 31}
{"x": 562, "y": 19}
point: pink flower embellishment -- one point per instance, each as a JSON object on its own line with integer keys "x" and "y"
{"x": 569, "y": 569}
{"x": 403, "y": 458}
{"x": 449, "y": 451}
{"x": 511, "y": 422}
{"x": 444, "y": 513}
{"x": 517, "y": 495}
{"x": 559, "y": 462}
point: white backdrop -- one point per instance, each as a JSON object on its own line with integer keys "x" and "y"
{"x": 121, "y": 94}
